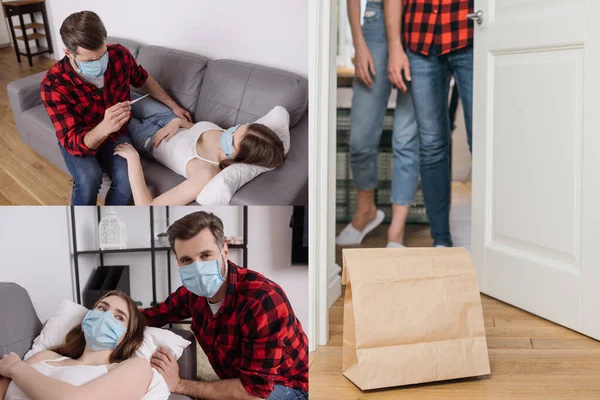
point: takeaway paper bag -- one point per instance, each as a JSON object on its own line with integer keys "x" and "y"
{"x": 411, "y": 316}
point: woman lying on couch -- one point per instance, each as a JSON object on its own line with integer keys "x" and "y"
{"x": 96, "y": 361}
{"x": 197, "y": 152}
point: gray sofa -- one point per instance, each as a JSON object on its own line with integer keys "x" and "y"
{"x": 224, "y": 92}
{"x": 20, "y": 325}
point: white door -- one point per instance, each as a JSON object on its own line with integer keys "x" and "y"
{"x": 536, "y": 158}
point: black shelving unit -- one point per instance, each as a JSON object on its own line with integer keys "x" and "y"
{"x": 152, "y": 249}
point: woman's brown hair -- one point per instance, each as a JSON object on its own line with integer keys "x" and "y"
{"x": 260, "y": 146}
{"x": 74, "y": 344}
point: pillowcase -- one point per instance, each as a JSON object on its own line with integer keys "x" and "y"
{"x": 69, "y": 314}
{"x": 221, "y": 188}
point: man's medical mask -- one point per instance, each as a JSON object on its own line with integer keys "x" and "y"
{"x": 93, "y": 69}
{"x": 102, "y": 330}
{"x": 227, "y": 141}
{"x": 203, "y": 278}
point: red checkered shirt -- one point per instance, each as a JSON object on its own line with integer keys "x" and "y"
{"x": 437, "y": 27}
{"x": 255, "y": 336}
{"x": 76, "y": 106}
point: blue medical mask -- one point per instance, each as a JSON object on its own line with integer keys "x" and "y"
{"x": 102, "y": 330}
{"x": 203, "y": 278}
{"x": 93, "y": 69}
{"x": 227, "y": 141}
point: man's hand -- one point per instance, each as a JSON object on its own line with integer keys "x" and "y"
{"x": 181, "y": 112}
{"x": 166, "y": 132}
{"x": 166, "y": 365}
{"x": 115, "y": 117}
{"x": 127, "y": 151}
{"x": 364, "y": 64}
{"x": 8, "y": 363}
{"x": 397, "y": 64}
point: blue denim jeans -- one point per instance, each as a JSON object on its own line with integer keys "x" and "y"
{"x": 286, "y": 393}
{"x": 148, "y": 116}
{"x": 430, "y": 82}
{"x": 87, "y": 174}
{"x": 366, "y": 119}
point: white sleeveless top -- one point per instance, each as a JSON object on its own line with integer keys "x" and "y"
{"x": 181, "y": 149}
{"x": 74, "y": 374}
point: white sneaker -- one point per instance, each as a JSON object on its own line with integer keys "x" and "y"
{"x": 350, "y": 236}
{"x": 395, "y": 245}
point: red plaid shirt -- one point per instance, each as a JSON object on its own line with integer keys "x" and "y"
{"x": 255, "y": 336}
{"x": 76, "y": 106}
{"x": 436, "y": 27}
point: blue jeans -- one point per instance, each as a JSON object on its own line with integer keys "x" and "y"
{"x": 87, "y": 174}
{"x": 366, "y": 119}
{"x": 430, "y": 82}
{"x": 286, "y": 393}
{"x": 148, "y": 116}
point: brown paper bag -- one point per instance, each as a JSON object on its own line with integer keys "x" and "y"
{"x": 411, "y": 316}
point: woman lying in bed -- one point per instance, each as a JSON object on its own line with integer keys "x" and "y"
{"x": 197, "y": 152}
{"x": 95, "y": 362}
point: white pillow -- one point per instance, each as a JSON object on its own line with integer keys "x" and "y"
{"x": 221, "y": 188}
{"x": 69, "y": 314}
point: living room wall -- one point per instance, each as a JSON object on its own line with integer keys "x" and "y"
{"x": 267, "y": 32}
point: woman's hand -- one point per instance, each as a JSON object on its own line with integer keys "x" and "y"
{"x": 127, "y": 151}
{"x": 364, "y": 64}
{"x": 8, "y": 364}
{"x": 167, "y": 132}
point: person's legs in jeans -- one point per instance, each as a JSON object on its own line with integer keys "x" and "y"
{"x": 405, "y": 166}
{"x": 366, "y": 120}
{"x": 119, "y": 193}
{"x": 429, "y": 86}
{"x": 148, "y": 116}
{"x": 285, "y": 393}
{"x": 87, "y": 178}
{"x": 461, "y": 62}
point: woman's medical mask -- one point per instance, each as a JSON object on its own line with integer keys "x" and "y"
{"x": 102, "y": 330}
{"x": 93, "y": 69}
{"x": 203, "y": 278}
{"x": 227, "y": 141}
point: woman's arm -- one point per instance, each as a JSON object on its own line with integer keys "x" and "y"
{"x": 363, "y": 60}
{"x": 4, "y": 382}
{"x": 141, "y": 195}
{"x": 187, "y": 191}
{"x": 41, "y": 356}
{"x": 128, "y": 381}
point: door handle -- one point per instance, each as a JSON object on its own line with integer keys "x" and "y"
{"x": 477, "y": 16}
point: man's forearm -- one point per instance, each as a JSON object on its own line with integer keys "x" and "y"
{"x": 230, "y": 389}
{"x": 94, "y": 138}
{"x": 156, "y": 91}
{"x": 392, "y": 10}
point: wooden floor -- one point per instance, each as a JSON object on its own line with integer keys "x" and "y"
{"x": 26, "y": 178}
{"x": 530, "y": 358}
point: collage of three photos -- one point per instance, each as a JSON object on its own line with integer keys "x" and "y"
{"x": 347, "y": 199}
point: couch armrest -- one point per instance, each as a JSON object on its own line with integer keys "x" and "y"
{"x": 25, "y": 93}
{"x": 188, "y": 367}
{"x": 286, "y": 185}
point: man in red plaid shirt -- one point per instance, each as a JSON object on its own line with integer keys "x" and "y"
{"x": 243, "y": 321}
{"x": 429, "y": 41}
{"x": 86, "y": 95}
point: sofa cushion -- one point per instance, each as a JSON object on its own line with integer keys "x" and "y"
{"x": 133, "y": 47}
{"x": 178, "y": 72}
{"x": 234, "y": 92}
{"x": 24, "y": 326}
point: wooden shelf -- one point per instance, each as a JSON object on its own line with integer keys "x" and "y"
{"x": 34, "y": 25}
{"x": 32, "y": 36}
{"x": 22, "y": 2}
{"x": 35, "y": 51}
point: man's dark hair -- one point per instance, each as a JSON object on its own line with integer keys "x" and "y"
{"x": 192, "y": 224}
{"x": 83, "y": 29}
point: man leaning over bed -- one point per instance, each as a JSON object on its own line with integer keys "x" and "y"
{"x": 243, "y": 321}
